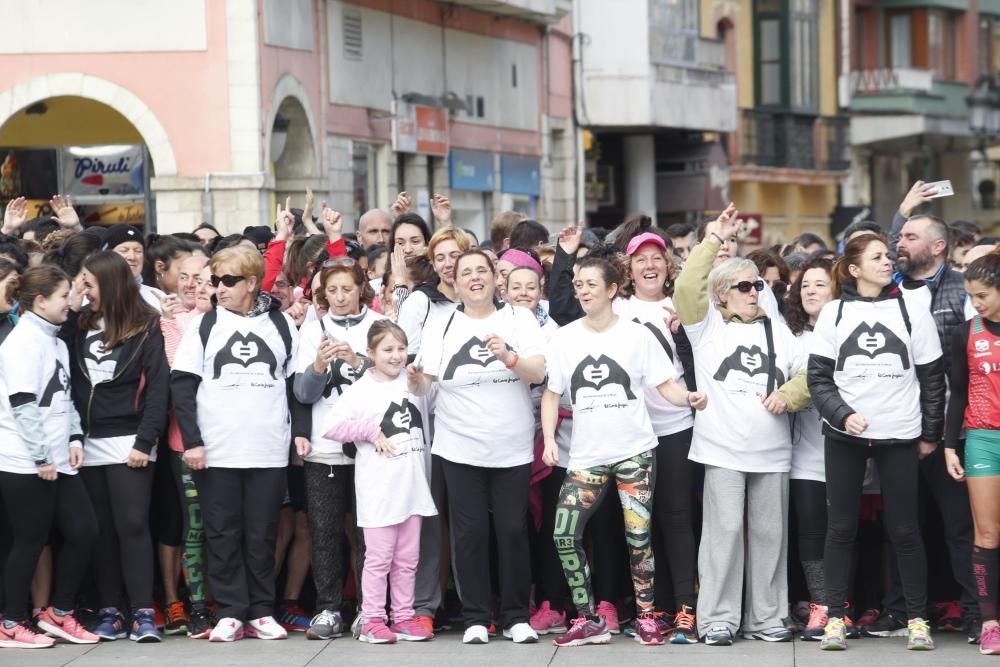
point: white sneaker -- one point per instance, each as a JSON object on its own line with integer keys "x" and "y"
{"x": 477, "y": 634}
{"x": 521, "y": 633}
{"x": 227, "y": 630}
{"x": 266, "y": 627}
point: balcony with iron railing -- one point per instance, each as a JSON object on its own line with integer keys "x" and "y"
{"x": 794, "y": 141}
{"x": 909, "y": 90}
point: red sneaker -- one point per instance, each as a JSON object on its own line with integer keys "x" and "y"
{"x": 646, "y": 631}
{"x": 411, "y": 630}
{"x": 65, "y": 627}
{"x": 546, "y": 620}
{"x": 584, "y": 631}
{"x": 609, "y": 612}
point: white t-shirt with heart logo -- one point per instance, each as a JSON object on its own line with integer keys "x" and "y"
{"x": 389, "y": 488}
{"x": 735, "y": 431}
{"x": 242, "y": 398}
{"x": 482, "y": 411}
{"x": 340, "y": 374}
{"x": 606, "y": 376}
{"x": 875, "y": 358}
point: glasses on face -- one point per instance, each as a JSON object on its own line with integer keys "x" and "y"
{"x": 227, "y": 280}
{"x": 745, "y": 286}
{"x": 339, "y": 261}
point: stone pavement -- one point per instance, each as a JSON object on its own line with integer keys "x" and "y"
{"x": 447, "y": 649}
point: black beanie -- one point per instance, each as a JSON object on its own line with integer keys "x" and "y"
{"x": 259, "y": 234}
{"x": 122, "y": 233}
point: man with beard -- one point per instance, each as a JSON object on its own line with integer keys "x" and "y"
{"x": 920, "y": 243}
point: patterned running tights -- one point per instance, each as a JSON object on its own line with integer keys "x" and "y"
{"x": 581, "y": 494}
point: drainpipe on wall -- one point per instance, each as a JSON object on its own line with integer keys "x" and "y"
{"x": 207, "y": 206}
{"x": 578, "y": 116}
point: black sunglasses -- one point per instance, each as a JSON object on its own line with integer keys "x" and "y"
{"x": 745, "y": 286}
{"x": 227, "y": 280}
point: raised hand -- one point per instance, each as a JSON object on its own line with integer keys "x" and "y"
{"x": 570, "y": 238}
{"x": 333, "y": 223}
{"x": 726, "y": 225}
{"x": 15, "y": 215}
{"x": 920, "y": 193}
{"x": 284, "y": 221}
{"x": 441, "y": 209}
{"x": 402, "y": 204}
{"x": 63, "y": 212}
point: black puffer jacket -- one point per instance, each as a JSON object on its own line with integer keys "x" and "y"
{"x": 835, "y": 410}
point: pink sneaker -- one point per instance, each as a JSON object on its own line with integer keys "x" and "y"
{"x": 609, "y": 612}
{"x": 647, "y": 632}
{"x": 584, "y": 631}
{"x": 65, "y": 627}
{"x": 546, "y": 620}
{"x": 376, "y": 632}
{"x": 411, "y": 630}
{"x": 21, "y": 636}
{"x": 989, "y": 640}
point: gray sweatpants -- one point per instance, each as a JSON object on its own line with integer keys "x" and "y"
{"x": 726, "y": 542}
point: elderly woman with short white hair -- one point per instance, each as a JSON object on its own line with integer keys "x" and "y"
{"x": 753, "y": 370}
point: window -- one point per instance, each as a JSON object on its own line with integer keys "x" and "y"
{"x": 804, "y": 52}
{"x": 941, "y": 43}
{"x": 364, "y": 186}
{"x": 786, "y": 53}
{"x": 673, "y": 31}
{"x": 899, "y": 41}
{"x": 770, "y": 61}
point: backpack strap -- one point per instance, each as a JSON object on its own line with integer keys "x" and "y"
{"x": 772, "y": 372}
{"x": 905, "y": 314}
{"x": 840, "y": 312}
{"x": 208, "y": 321}
{"x": 281, "y": 324}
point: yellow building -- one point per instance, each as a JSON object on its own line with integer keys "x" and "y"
{"x": 789, "y": 153}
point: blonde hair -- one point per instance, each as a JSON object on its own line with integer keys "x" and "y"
{"x": 455, "y": 234}
{"x": 246, "y": 261}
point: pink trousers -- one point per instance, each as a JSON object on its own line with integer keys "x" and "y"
{"x": 391, "y": 553}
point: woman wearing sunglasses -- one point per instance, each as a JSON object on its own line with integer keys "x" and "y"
{"x": 753, "y": 371}
{"x": 876, "y": 375}
{"x": 120, "y": 388}
{"x": 231, "y": 385}
{"x": 330, "y": 358}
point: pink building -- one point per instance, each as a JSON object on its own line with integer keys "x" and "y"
{"x": 213, "y": 110}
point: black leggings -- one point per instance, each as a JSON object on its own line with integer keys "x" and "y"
{"x": 123, "y": 554}
{"x": 673, "y": 531}
{"x": 809, "y": 508}
{"x": 40, "y": 505}
{"x": 845, "y": 473}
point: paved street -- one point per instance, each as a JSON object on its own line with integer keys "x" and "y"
{"x": 448, "y": 650}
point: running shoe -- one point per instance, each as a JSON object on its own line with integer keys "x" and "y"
{"x": 919, "y": 636}
{"x": 816, "y": 625}
{"x": 547, "y": 620}
{"x": 834, "y": 636}
{"x": 227, "y": 630}
{"x": 521, "y": 633}
{"x": 293, "y": 618}
{"x": 584, "y": 631}
{"x": 886, "y": 625}
{"x": 427, "y": 623}
{"x": 144, "y": 630}
{"x": 158, "y": 617}
{"x": 973, "y": 629}
{"x": 685, "y": 627}
{"x": 476, "y": 634}
{"x": 412, "y": 630}
{"x": 21, "y": 636}
{"x": 177, "y": 619}
{"x": 356, "y": 624}
{"x": 377, "y": 632}
{"x": 265, "y": 627}
{"x": 327, "y": 624}
{"x": 852, "y": 630}
{"x": 200, "y": 623}
{"x": 609, "y": 612}
{"x": 64, "y": 627}
{"x": 647, "y": 632}
{"x": 719, "y": 635}
{"x": 777, "y": 634}
{"x": 664, "y": 622}
{"x": 867, "y": 618}
{"x": 989, "y": 640}
{"x": 110, "y": 625}
{"x": 951, "y": 618}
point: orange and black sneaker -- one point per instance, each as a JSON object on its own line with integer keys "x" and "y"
{"x": 685, "y": 627}
{"x": 177, "y": 619}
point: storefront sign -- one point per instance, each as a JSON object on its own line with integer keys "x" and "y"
{"x": 419, "y": 129}
{"x": 471, "y": 170}
{"x": 520, "y": 175}
{"x": 103, "y": 171}
{"x": 753, "y": 228}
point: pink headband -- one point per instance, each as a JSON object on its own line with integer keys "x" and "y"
{"x": 520, "y": 258}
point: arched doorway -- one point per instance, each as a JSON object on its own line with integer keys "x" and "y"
{"x": 291, "y": 144}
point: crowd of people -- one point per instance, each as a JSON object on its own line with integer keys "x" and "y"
{"x": 405, "y": 428}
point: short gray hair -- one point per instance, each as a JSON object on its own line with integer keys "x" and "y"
{"x": 723, "y": 277}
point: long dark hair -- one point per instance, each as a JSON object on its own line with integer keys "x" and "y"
{"x": 124, "y": 312}
{"x": 795, "y": 315}
{"x": 73, "y": 252}
{"x": 161, "y": 249}
{"x": 409, "y": 219}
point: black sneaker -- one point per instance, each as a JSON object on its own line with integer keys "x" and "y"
{"x": 974, "y": 628}
{"x": 200, "y": 623}
{"x": 887, "y": 625}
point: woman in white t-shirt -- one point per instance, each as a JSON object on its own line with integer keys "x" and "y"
{"x": 120, "y": 386}
{"x": 753, "y": 370}
{"x": 393, "y": 494}
{"x": 331, "y": 358}
{"x": 482, "y": 358}
{"x": 605, "y": 362}
{"x": 41, "y": 450}
{"x": 876, "y": 376}
{"x": 812, "y": 290}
